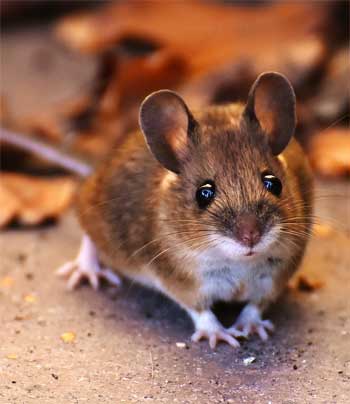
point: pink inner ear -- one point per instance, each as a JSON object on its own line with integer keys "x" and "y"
{"x": 175, "y": 124}
{"x": 177, "y": 139}
{"x": 265, "y": 108}
{"x": 164, "y": 120}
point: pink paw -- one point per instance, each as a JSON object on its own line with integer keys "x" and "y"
{"x": 86, "y": 266}
{"x": 77, "y": 273}
{"x": 208, "y": 327}
{"x": 215, "y": 336}
{"x": 250, "y": 322}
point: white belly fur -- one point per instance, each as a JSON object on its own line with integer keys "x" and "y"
{"x": 227, "y": 280}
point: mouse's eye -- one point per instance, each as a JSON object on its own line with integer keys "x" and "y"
{"x": 205, "y": 194}
{"x": 272, "y": 183}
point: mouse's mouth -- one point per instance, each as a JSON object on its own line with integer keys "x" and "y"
{"x": 264, "y": 245}
{"x": 249, "y": 253}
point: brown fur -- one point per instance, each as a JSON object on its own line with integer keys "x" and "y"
{"x": 137, "y": 212}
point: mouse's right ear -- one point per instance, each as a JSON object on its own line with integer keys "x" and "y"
{"x": 271, "y": 105}
{"x": 166, "y": 123}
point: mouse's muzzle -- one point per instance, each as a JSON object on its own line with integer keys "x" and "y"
{"x": 248, "y": 230}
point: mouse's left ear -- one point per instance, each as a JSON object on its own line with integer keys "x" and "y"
{"x": 167, "y": 124}
{"x": 271, "y": 104}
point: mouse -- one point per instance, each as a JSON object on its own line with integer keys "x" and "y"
{"x": 203, "y": 206}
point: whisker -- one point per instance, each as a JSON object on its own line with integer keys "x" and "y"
{"x": 334, "y": 123}
{"x": 183, "y": 242}
{"x": 164, "y": 236}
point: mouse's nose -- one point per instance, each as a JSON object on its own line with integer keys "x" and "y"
{"x": 248, "y": 230}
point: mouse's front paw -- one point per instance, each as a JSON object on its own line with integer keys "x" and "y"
{"x": 86, "y": 266}
{"x": 208, "y": 327}
{"x": 214, "y": 336}
{"x": 250, "y": 322}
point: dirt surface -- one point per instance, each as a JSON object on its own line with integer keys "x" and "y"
{"x": 124, "y": 348}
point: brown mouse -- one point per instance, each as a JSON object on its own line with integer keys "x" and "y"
{"x": 214, "y": 205}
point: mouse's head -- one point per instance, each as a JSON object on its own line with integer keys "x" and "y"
{"x": 227, "y": 186}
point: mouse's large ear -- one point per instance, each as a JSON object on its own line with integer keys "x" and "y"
{"x": 271, "y": 104}
{"x": 165, "y": 121}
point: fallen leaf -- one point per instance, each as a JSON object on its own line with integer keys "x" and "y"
{"x": 329, "y": 152}
{"x": 7, "y": 281}
{"x": 68, "y": 337}
{"x": 332, "y": 100}
{"x": 308, "y": 284}
{"x": 100, "y": 121}
{"x": 157, "y": 24}
{"x": 32, "y": 200}
{"x": 204, "y": 63}
{"x": 322, "y": 230}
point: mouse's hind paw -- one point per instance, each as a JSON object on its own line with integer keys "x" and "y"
{"x": 87, "y": 266}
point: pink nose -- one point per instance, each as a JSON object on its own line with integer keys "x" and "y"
{"x": 248, "y": 230}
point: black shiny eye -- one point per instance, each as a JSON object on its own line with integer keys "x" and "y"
{"x": 205, "y": 194}
{"x": 272, "y": 183}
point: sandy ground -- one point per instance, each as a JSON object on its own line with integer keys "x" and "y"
{"x": 125, "y": 350}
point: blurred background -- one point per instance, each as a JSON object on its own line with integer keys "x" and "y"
{"x": 73, "y": 74}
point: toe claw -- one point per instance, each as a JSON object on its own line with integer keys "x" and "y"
{"x": 196, "y": 336}
{"x": 268, "y": 325}
{"x": 73, "y": 280}
{"x": 231, "y": 341}
{"x": 235, "y": 332}
{"x": 212, "y": 341}
{"x": 93, "y": 280}
{"x": 110, "y": 277}
{"x": 262, "y": 332}
{"x": 65, "y": 269}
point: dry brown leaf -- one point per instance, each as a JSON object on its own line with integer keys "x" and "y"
{"x": 207, "y": 33}
{"x": 116, "y": 111}
{"x": 307, "y": 284}
{"x": 322, "y": 230}
{"x": 32, "y": 200}
{"x": 329, "y": 152}
{"x": 333, "y": 98}
{"x": 7, "y": 282}
{"x": 194, "y": 53}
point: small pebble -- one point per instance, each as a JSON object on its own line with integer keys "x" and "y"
{"x": 248, "y": 361}
{"x": 68, "y": 337}
{"x": 30, "y": 298}
{"x": 181, "y": 345}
